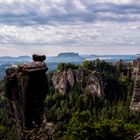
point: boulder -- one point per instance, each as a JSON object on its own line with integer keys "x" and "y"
{"x": 37, "y": 57}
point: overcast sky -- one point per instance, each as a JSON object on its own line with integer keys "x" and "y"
{"x": 84, "y": 26}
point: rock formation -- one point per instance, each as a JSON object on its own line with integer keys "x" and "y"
{"x": 137, "y": 137}
{"x": 96, "y": 85}
{"x": 82, "y": 79}
{"x": 26, "y": 89}
{"x": 38, "y": 57}
{"x": 136, "y": 67}
{"x": 80, "y": 76}
{"x": 62, "y": 81}
{"x": 135, "y": 102}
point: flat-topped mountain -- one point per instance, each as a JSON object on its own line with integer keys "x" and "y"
{"x": 66, "y": 57}
{"x": 68, "y": 54}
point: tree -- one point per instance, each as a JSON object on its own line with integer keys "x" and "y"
{"x": 66, "y": 66}
{"x": 79, "y": 127}
{"x": 88, "y": 65}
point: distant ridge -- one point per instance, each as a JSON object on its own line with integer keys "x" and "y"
{"x": 67, "y": 54}
{"x": 17, "y": 57}
{"x": 66, "y": 57}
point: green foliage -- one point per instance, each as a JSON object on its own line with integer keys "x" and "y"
{"x": 66, "y": 66}
{"x": 79, "y": 115}
{"x": 88, "y": 65}
{"x": 98, "y": 65}
{"x": 7, "y": 126}
{"x": 79, "y": 125}
{"x": 83, "y": 126}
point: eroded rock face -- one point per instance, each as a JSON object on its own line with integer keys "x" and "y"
{"x": 80, "y": 76}
{"x": 136, "y": 67}
{"x": 95, "y": 85}
{"x": 63, "y": 80}
{"x": 81, "y": 79}
{"x": 137, "y": 137}
{"x": 26, "y": 89}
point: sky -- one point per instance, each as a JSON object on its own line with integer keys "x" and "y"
{"x": 83, "y": 26}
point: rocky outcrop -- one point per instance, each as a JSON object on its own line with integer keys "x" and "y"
{"x": 82, "y": 79}
{"x": 26, "y": 89}
{"x": 96, "y": 85}
{"x": 137, "y": 137}
{"x": 63, "y": 80}
{"x": 135, "y": 102}
{"x": 40, "y": 58}
{"x": 136, "y": 67}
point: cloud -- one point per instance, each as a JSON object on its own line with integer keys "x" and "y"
{"x": 76, "y": 25}
{"x": 31, "y": 12}
{"x": 124, "y": 2}
{"x": 79, "y": 35}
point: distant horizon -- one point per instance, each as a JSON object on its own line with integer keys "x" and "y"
{"x": 30, "y": 55}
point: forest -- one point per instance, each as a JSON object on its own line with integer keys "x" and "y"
{"x": 79, "y": 115}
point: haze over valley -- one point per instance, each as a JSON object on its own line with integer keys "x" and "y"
{"x": 66, "y": 57}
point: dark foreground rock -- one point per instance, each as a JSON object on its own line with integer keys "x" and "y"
{"x": 26, "y": 89}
